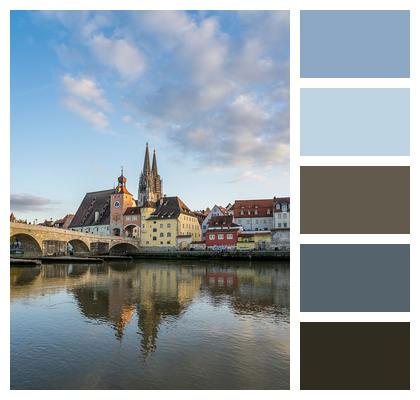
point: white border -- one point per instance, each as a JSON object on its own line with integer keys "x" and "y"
{"x": 296, "y": 83}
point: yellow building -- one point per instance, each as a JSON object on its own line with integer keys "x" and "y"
{"x": 171, "y": 218}
{"x": 259, "y": 240}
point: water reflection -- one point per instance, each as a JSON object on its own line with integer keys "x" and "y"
{"x": 148, "y": 294}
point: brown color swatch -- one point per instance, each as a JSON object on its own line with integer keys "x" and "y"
{"x": 355, "y": 200}
{"x": 354, "y": 355}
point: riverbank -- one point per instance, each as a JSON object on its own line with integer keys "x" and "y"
{"x": 158, "y": 255}
{"x": 213, "y": 255}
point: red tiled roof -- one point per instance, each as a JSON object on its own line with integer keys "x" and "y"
{"x": 253, "y": 208}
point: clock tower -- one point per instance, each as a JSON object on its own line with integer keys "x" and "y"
{"x": 120, "y": 200}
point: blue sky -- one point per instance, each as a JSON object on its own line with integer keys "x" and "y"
{"x": 208, "y": 90}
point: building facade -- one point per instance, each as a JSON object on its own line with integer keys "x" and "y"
{"x": 281, "y": 213}
{"x": 222, "y": 233}
{"x": 102, "y": 212}
{"x": 254, "y": 215}
{"x": 132, "y": 222}
{"x": 216, "y": 211}
{"x": 171, "y": 219}
{"x": 260, "y": 240}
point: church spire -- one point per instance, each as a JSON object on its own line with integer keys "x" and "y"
{"x": 154, "y": 165}
{"x": 146, "y": 165}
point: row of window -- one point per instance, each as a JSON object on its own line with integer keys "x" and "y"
{"x": 155, "y": 238}
{"x": 168, "y": 234}
{"x": 255, "y": 212}
{"x": 130, "y": 217}
{"x": 221, "y": 236}
{"x": 283, "y": 207}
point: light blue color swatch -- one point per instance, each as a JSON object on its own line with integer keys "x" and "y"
{"x": 355, "y": 44}
{"x": 355, "y": 122}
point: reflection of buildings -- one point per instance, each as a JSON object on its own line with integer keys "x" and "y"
{"x": 157, "y": 293}
{"x": 153, "y": 292}
{"x": 251, "y": 290}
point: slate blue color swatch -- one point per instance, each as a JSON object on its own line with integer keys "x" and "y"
{"x": 355, "y": 44}
{"x": 355, "y": 122}
{"x": 355, "y": 278}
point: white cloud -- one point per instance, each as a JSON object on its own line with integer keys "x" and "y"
{"x": 87, "y": 90}
{"x": 120, "y": 55}
{"x": 84, "y": 98}
{"x": 97, "y": 118}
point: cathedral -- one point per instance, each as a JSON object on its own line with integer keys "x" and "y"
{"x": 150, "y": 184}
{"x": 154, "y": 219}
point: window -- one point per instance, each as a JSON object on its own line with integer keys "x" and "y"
{"x": 268, "y": 211}
{"x": 154, "y": 238}
{"x": 279, "y": 225}
{"x": 211, "y": 237}
{"x": 168, "y": 242}
{"x": 154, "y": 230}
{"x": 161, "y": 234}
{"x": 278, "y": 206}
{"x": 285, "y": 215}
{"x": 242, "y": 212}
{"x": 229, "y": 236}
{"x": 220, "y": 236}
{"x": 168, "y": 225}
{"x": 256, "y": 212}
{"x": 161, "y": 225}
{"x": 161, "y": 242}
{"x": 284, "y": 224}
{"x": 169, "y": 234}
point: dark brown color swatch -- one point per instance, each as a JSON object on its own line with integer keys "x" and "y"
{"x": 355, "y": 200}
{"x": 355, "y": 355}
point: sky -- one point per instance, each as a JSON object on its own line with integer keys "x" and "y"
{"x": 208, "y": 90}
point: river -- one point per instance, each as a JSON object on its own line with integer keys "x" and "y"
{"x": 150, "y": 325}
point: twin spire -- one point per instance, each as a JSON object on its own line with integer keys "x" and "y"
{"x": 146, "y": 166}
{"x": 150, "y": 183}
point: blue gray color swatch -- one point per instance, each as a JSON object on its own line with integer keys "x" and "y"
{"x": 355, "y": 278}
{"x": 355, "y": 122}
{"x": 355, "y": 44}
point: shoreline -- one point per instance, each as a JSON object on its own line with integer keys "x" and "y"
{"x": 158, "y": 255}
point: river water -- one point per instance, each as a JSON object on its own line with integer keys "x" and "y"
{"x": 150, "y": 325}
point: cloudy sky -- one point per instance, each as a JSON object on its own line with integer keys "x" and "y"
{"x": 208, "y": 90}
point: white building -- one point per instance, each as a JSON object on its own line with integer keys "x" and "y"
{"x": 254, "y": 215}
{"x": 281, "y": 213}
{"x": 216, "y": 211}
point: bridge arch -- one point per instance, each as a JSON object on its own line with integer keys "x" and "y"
{"x": 131, "y": 231}
{"x": 123, "y": 249}
{"x": 22, "y": 242}
{"x": 77, "y": 247}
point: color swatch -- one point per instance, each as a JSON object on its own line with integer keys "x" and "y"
{"x": 355, "y": 278}
{"x": 355, "y": 355}
{"x": 355, "y": 199}
{"x": 355, "y": 122}
{"x": 355, "y": 44}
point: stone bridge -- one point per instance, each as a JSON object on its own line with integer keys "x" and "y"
{"x": 37, "y": 240}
